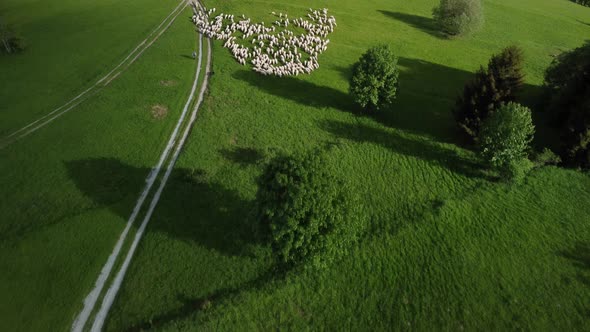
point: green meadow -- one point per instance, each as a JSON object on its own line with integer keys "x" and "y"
{"x": 54, "y": 237}
{"x": 448, "y": 246}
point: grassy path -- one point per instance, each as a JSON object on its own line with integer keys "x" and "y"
{"x": 174, "y": 143}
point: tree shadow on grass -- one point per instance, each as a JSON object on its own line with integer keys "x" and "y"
{"x": 243, "y": 156}
{"x": 421, "y": 108}
{"x": 422, "y": 149}
{"x": 298, "y": 90}
{"x": 424, "y": 103}
{"x": 579, "y": 255}
{"x": 192, "y": 208}
{"x": 425, "y": 24}
{"x": 192, "y": 306}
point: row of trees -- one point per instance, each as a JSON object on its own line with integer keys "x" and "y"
{"x": 308, "y": 216}
{"x": 566, "y": 92}
{"x": 489, "y": 100}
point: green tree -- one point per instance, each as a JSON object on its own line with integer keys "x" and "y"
{"x": 305, "y": 213}
{"x": 506, "y": 136}
{"x": 489, "y": 89}
{"x": 458, "y": 17}
{"x": 567, "y": 82}
{"x": 374, "y": 80}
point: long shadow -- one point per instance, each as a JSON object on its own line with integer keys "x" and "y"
{"x": 579, "y": 255}
{"x": 192, "y": 208}
{"x": 424, "y": 103}
{"x": 585, "y": 23}
{"x": 243, "y": 156}
{"x": 298, "y": 90}
{"x": 425, "y": 24}
{"x": 421, "y": 149}
{"x": 422, "y": 108}
{"x": 192, "y": 306}
{"x": 425, "y": 100}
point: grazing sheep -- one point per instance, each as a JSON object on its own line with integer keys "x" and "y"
{"x": 282, "y": 56}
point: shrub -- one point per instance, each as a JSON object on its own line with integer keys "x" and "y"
{"x": 546, "y": 157}
{"x": 506, "y": 135}
{"x": 583, "y": 2}
{"x": 306, "y": 214}
{"x": 10, "y": 42}
{"x": 375, "y": 78}
{"x": 458, "y": 17}
{"x": 567, "y": 83}
{"x": 489, "y": 89}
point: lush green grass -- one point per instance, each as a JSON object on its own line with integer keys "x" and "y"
{"x": 71, "y": 44}
{"x": 54, "y": 237}
{"x": 448, "y": 247}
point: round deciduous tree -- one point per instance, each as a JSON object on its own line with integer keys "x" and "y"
{"x": 458, "y": 17}
{"x": 374, "y": 80}
{"x": 305, "y": 213}
{"x": 506, "y": 135}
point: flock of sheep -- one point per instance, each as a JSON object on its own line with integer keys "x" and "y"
{"x": 276, "y": 49}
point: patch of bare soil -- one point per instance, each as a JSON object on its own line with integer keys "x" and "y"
{"x": 159, "y": 111}
{"x": 168, "y": 83}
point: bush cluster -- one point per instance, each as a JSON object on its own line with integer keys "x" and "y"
{"x": 489, "y": 89}
{"x": 375, "y": 78}
{"x": 305, "y": 213}
{"x": 567, "y": 82}
{"x": 458, "y": 17}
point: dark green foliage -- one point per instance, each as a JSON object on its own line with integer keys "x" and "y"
{"x": 489, "y": 89}
{"x": 506, "y": 135}
{"x": 10, "y": 42}
{"x": 458, "y": 17}
{"x": 546, "y": 157}
{"x": 567, "y": 81}
{"x": 375, "y": 78}
{"x": 305, "y": 213}
{"x": 516, "y": 170}
{"x": 582, "y": 2}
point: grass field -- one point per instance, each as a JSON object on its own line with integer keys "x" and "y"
{"x": 447, "y": 248}
{"x": 70, "y": 45}
{"x": 54, "y": 238}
